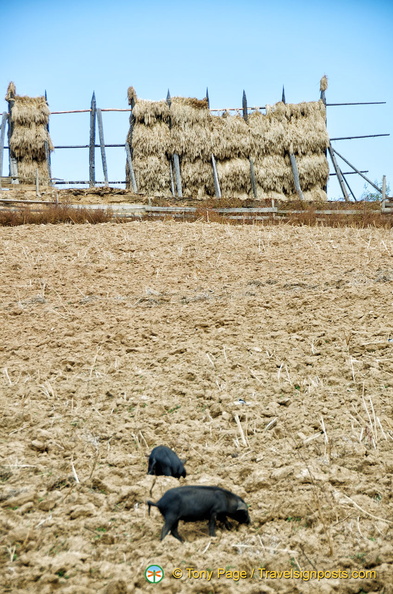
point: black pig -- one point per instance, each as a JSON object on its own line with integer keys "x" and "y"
{"x": 193, "y": 504}
{"x": 164, "y": 461}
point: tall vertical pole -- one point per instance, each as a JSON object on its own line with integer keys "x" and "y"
{"x": 283, "y": 95}
{"x": 13, "y": 162}
{"x": 322, "y": 87}
{"x": 217, "y": 189}
{"x": 207, "y": 98}
{"x": 175, "y": 157}
{"x": 2, "y": 137}
{"x": 93, "y": 111}
{"x": 47, "y": 151}
{"x": 102, "y": 145}
{"x": 244, "y": 102}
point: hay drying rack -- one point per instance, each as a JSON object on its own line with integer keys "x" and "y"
{"x": 96, "y": 120}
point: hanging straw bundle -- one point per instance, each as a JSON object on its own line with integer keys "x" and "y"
{"x": 30, "y": 142}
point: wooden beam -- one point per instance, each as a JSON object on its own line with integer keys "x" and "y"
{"x": 217, "y": 189}
{"x": 384, "y": 187}
{"x": 295, "y": 173}
{"x": 13, "y": 162}
{"x": 176, "y": 164}
{"x": 338, "y": 172}
{"x": 47, "y": 151}
{"x": 132, "y": 174}
{"x": 283, "y": 95}
{"x": 245, "y": 111}
{"x": 253, "y": 180}
{"x": 2, "y": 137}
{"x": 357, "y": 170}
{"x": 92, "y": 166}
{"x": 102, "y": 145}
{"x": 207, "y": 98}
{"x": 171, "y": 178}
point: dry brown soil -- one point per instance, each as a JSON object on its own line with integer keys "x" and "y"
{"x": 115, "y": 338}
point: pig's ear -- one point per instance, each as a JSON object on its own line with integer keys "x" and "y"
{"x": 242, "y": 506}
{"x": 183, "y": 461}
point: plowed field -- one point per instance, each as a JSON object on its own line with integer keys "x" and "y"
{"x": 263, "y": 355}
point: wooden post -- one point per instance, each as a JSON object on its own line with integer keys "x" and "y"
{"x": 171, "y": 177}
{"x": 253, "y": 180}
{"x": 176, "y": 164}
{"x": 283, "y": 95}
{"x": 175, "y": 157}
{"x": 2, "y": 137}
{"x": 217, "y": 189}
{"x": 323, "y": 98}
{"x": 295, "y": 173}
{"x": 338, "y": 172}
{"x": 207, "y": 98}
{"x": 132, "y": 174}
{"x": 102, "y": 145}
{"x": 93, "y": 110}
{"x": 384, "y": 187}
{"x": 13, "y": 162}
{"x": 47, "y": 151}
{"x": 245, "y": 114}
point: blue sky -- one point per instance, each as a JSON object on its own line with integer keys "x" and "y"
{"x": 73, "y": 48}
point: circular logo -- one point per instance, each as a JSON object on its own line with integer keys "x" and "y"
{"x": 154, "y": 574}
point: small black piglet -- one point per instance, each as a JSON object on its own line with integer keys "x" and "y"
{"x": 164, "y": 461}
{"x": 194, "y": 504}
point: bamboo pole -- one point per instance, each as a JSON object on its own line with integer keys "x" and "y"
{"x": 102, "y": 145}
{"x": 93, "y": 109}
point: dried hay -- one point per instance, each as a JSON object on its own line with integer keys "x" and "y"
{"x": 230, "y": 138}
{"x": 149, "y": 113}
{"x": 187, "y": 128}
{"x": 28, "y": 169}
{"x": 197, "y": 178}
{"x": 307, "y": 128}
{"x": 30, "y": 142}
{"x": 268, "y": 134}
{"x": 273, "y": 174}
{"x": 313, "y": 171}
{"x": 323, "y": 84}
{"x": 30, "y": 110}
{"x": 151, "y": 140}
{"x": 131, "y": 96}
{"x": 152, "y": 175}
{"x": 234, "y": 177}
